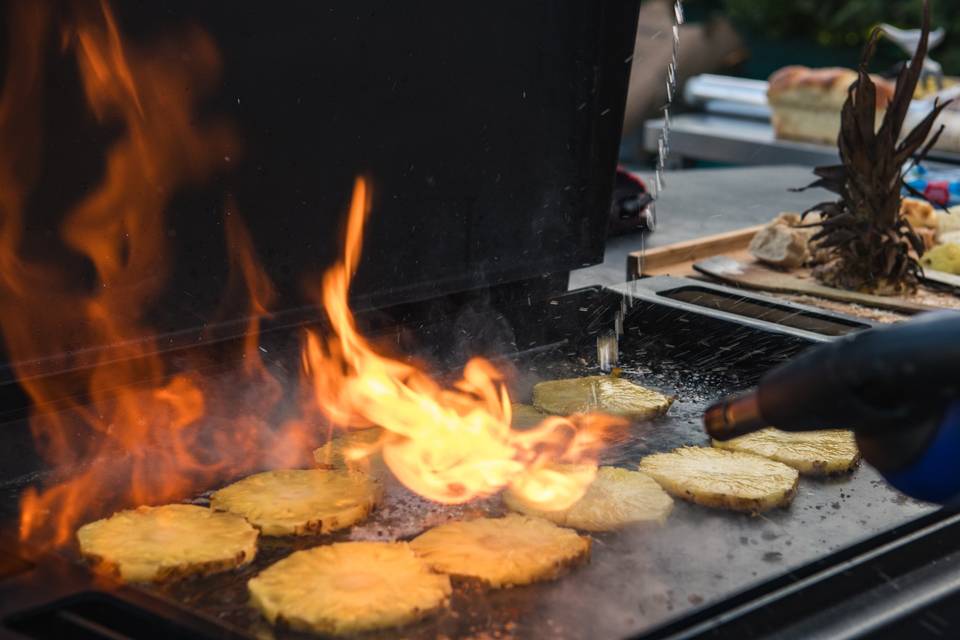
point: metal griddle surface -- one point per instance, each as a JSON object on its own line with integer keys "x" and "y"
{"x": 638, "y": 578}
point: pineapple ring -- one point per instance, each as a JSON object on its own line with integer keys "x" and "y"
{"x": 723, "y": 479}
{"x": 512, "y": 550}
{"x": 606, "y": 394}
{"x": 300, "y": 501}
{"x": 151, "y": 544}
{"x": 814, "y": 453}
{"x": 616, "y": 498}
{"x": 349, "y": 587}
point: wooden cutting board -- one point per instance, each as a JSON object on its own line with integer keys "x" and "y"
{"x": 677, "y": 259}
{"x": 755, "y": 276}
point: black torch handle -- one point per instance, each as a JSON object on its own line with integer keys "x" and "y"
{"x": 870, "y": 382}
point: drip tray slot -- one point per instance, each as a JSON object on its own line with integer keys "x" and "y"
{"x": 758, "y": 309}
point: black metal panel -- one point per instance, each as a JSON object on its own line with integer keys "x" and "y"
{"x": 489, "y": 132}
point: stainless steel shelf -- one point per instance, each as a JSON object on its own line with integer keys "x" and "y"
{"x": 743, "y": 141}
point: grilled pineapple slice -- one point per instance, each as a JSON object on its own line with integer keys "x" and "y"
{"x": 606, "y": 394}
{"x": 300, "y": 501}
{"x": 502, "y": 552}
{"x": 616, "y": 498}
{"x": 526, "y": 416}
{"x": 814, "y": 453}
{"x": 724, "y": 479}
{"x": 349, "y": 450}
{"x": 152, "y": 544}
{"x": 349, "y": 587}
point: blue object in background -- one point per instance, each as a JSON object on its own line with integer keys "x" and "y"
{"x": 939, "y": 186}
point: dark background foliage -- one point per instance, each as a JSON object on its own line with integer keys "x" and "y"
{"x": 824, "y": 32}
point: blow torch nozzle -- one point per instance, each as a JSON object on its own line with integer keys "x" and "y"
{"x": 734, "y": 416}
{"x": 897, "y": 388}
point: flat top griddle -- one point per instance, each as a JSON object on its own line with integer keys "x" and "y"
{"x": 641, "y": 577}
{"x": 638, "y": 578}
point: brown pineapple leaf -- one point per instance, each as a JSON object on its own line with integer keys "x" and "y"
{"x": 826, "y": 208}
{"x": 830, "y": 184}
{"x": 907, "y": 81}
{"x": 915, "y": 139}
{"x": 835, "y": 238}
{"x": 865, "y": 106}
{"x": 845, "y": 218}
{"x": 834, "y": 172}
{"x": 868, "y": 244}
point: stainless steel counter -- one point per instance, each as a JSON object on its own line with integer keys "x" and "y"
{"x": 742, "y": 141}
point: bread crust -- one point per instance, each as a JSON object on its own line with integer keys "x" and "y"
{"x": 819, "y": 88}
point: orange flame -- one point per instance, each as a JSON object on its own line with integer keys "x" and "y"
{"x": 245, "y": 271}
{"x": 447, "y": 444}
{"x": 124, "y": 427}
{"x": 291, "y": 444}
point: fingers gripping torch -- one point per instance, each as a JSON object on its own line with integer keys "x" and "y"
{"x": 897, "y": 388}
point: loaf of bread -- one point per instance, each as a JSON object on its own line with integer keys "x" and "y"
{"x": 780, "y": 246}
{"x": 806, "y": 103}
{"x": 785, "y": 241}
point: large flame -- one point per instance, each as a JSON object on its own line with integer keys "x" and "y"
{"x": 447, "y": 444}
{"x": 124, "y": 427}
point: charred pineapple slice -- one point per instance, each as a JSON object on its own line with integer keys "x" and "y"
{"x": 349, "y": 587}
{"x": 606, "y": 394}
{"x": 724, "y": 479}
{"x": 502, "y": 552}
{"x": 616, "y": 498}
{"x": 300, "y": 501}
{"x": 152, "y": 544}
{"x": 814, "y": 453}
